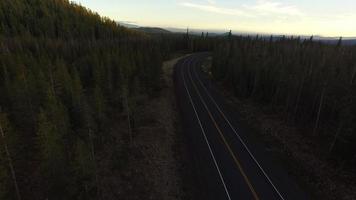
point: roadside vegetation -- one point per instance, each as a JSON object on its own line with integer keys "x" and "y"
{"x": 309, "y": 87}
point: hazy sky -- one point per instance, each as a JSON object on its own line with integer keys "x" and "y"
{"x": 307, "y": 17}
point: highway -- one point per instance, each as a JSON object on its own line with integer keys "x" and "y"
{"x": 229, "y": 163}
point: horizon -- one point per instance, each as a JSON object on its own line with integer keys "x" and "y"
{"x": 234, "y": 32}
{"x": 289, "y": 17}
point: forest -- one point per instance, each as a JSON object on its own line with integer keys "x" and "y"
{"x": 66, "y": 75}
{"x": 309, "y": 84}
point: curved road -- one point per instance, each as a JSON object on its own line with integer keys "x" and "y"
{"x": 229, "y": 163}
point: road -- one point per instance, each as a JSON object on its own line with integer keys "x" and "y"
{"x": 229, "y": 163}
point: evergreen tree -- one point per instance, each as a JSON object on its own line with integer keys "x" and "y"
{"x": 52, "y": 128}
{"x": 6, "y": 157}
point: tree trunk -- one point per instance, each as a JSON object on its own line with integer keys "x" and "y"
{"x": 13, "y": 174}
{"x": 29, "y": 99}
{"x": 319, "y": 111}
{"x": 288, "y": 105}
{"x": 255, "y": 85}
{"x": 298, "y": 99}
{"x": 275, "y": 97}
{"x": 52, "y": 81}
{"x": 335, "y": 138}
{"x": 128, "y": 117}
{"x": 353, "y": 76}
{"x": 92, "y": 150}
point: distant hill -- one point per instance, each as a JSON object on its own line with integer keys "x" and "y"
{"x": 150, "y": 30}
{"x": 349, "y": 41}
{"x": 128, "y": 25}
{"x": 153, "y": 30}
{"x": 333, "y": 40}
{"x": 196, "y": 31}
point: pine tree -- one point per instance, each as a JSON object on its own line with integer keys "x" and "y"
{"x": 85, "y": 169}
{"x": 52, "y": 128}
{"x": 5, "y": 131}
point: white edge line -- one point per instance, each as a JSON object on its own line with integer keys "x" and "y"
{"x": 203, "y": 131}
{"x": 238, "y": 136}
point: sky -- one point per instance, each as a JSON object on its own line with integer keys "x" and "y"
{"x": 332, "y": 18}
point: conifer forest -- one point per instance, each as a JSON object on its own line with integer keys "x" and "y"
{"x": 309, "y": 83}
{"x": 68, "y": 76}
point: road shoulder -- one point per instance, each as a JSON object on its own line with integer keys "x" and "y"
{"x": 165, "y": 157}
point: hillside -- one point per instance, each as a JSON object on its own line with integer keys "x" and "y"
{"x": 153, "y": 30}
{"x": 71, "y": 83}
{"x": 55, "y": 19}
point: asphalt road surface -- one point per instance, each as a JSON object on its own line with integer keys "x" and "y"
{"x": 229, "y": 163}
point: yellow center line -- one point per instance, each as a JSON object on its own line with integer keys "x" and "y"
{"x": 237, "y": 162}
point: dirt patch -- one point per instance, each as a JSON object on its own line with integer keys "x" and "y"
{"x": 301, "y": 155}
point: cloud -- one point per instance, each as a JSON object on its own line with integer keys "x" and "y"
{"x": 264, "y": 7}
{"x": 215, "y": 9}
{"x": 274, "y": 16}
{"x": 211, "y": 2}
{"x": 259, "y": 9}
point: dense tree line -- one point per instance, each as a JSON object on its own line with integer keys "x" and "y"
{"x": 65, "y": 73}
{"x": 311, "y": 84}
{"x": 55, "y": 19}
